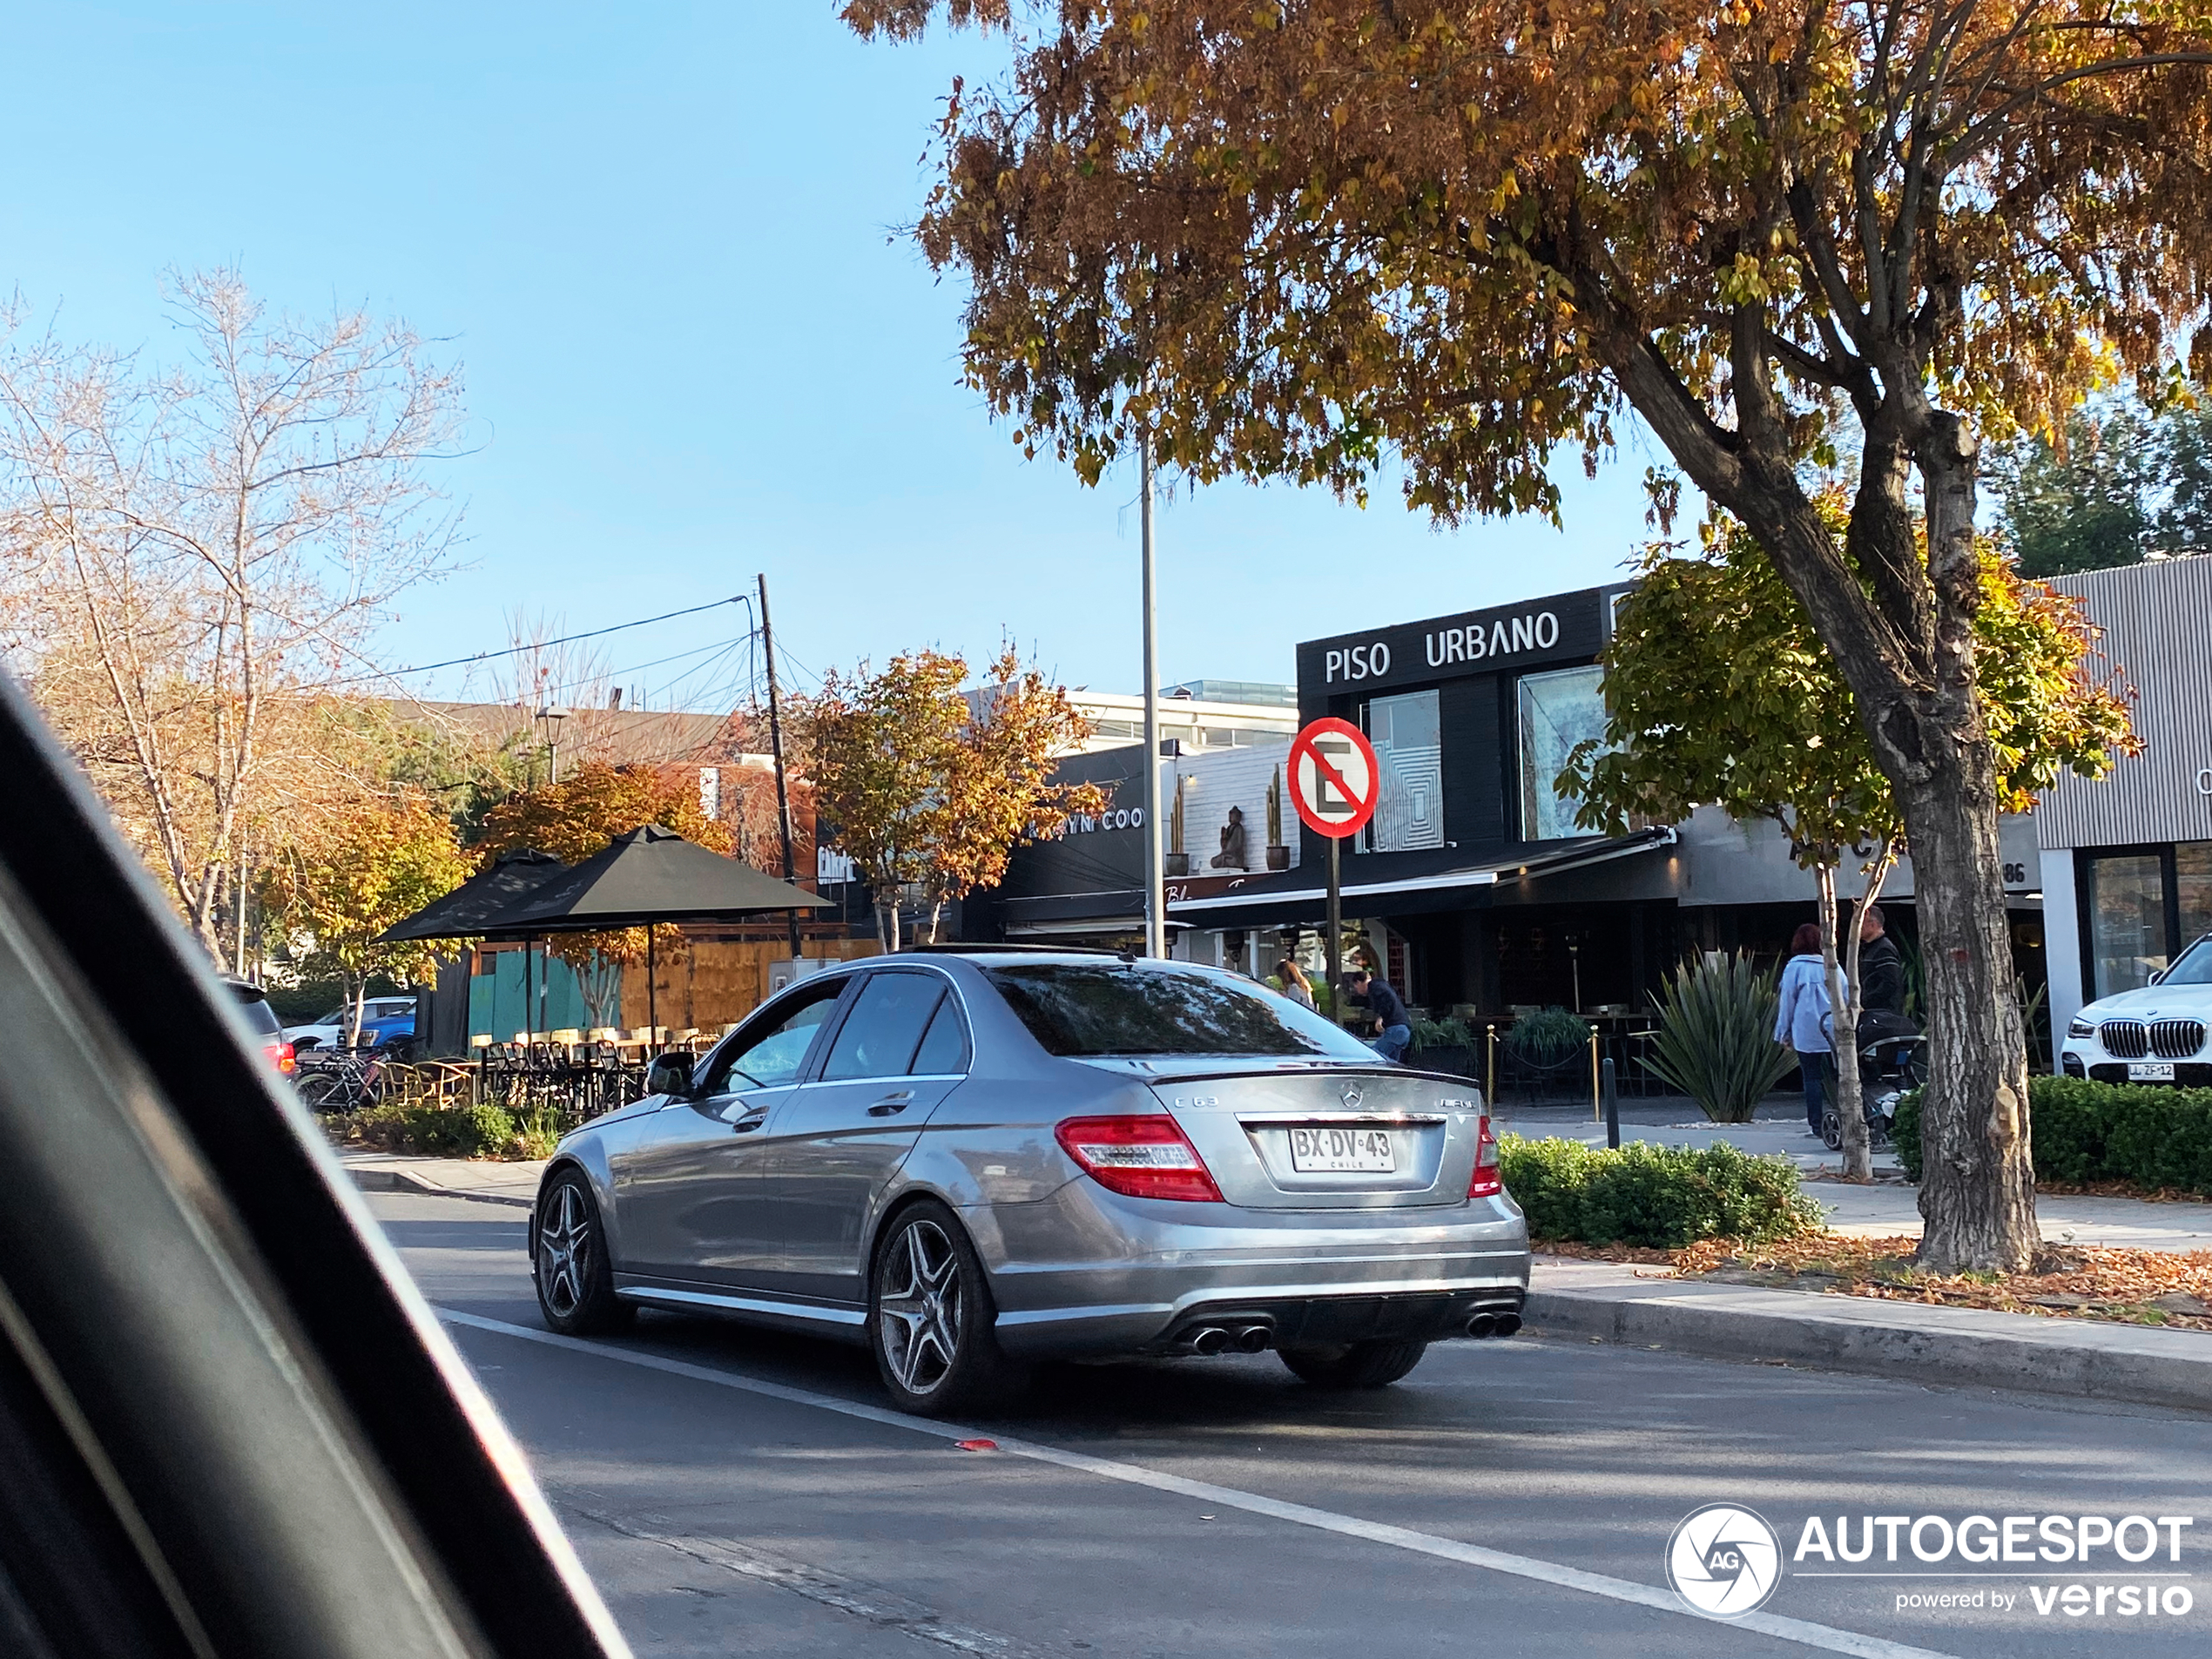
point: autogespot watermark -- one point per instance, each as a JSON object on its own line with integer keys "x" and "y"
{"x": 1725, "y": 1560}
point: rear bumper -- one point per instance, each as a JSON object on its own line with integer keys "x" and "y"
{"x": 1086, "y": 1271}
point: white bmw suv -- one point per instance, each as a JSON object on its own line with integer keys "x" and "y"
{"x": 2154, "y": 1036}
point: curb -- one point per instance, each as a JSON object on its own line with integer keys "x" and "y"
{"x": 376, "y": 1180}
{"x": 2015, "y": 1351}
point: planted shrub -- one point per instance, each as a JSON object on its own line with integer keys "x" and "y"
{"x": 484, "y": 1131}
{"x": 1661, "y": 1197}
{"x": 1548, "y": 1037}
{"x": 2080, "y": 1131}
{"x": 1715, "y": 1040}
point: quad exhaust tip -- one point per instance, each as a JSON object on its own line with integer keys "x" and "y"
{"x": 1217, "y": 1338}
{"x": 1494, "y": 1325}
{"x": 1255, "y": 1338}
{"x": 1211, "y": 1339}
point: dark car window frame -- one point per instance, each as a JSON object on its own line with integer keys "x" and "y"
{"x": 772, "y": 1014}
{"x": 950, "y": 1003}
{"x": 819, "y": 1061}
{"x": 1316, "y": 1039}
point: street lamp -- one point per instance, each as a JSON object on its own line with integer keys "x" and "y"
{"x": 550, "y": 718}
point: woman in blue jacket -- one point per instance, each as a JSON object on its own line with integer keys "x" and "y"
{"x": 1804, "y": 1019}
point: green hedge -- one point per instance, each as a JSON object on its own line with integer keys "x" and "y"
{"x": 1662, "y": 1197}
{"x": 438, "y": 1131}
{"x": 2152, "y": 1136}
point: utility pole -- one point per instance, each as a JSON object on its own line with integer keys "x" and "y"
{"x": 1156, "y": 909}
{"x": 776, "y": 749}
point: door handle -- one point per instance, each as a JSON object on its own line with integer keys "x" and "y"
{"x": 891, "y": 1105}
{"x": 746, "y": 1125}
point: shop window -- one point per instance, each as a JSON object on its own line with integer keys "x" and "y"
{"x": 1557, "y": 711}
{"x": 1409, "y": 811}
{"x": 2126, "y": 900}
{"x": 2193, "y": 890}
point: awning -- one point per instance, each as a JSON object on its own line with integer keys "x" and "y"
{"x": 1297, "y": 896}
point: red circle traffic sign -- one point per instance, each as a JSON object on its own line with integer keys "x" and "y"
{"x": 1335, "y": 781}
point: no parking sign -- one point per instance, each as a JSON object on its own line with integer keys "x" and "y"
{"x": 1334, "y": 779}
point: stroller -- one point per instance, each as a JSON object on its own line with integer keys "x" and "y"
{"x": 1891, "y": 1060}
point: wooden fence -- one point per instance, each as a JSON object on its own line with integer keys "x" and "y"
{"x": 711, "y": 982}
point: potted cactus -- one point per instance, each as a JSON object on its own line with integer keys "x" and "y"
{"x": 1175, "y": 861}
{"x": 1278, "y": 852}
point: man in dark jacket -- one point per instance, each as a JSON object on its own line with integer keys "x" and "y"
{"x": 1881, "y": 970}
{"x": 1389, "y": 1009}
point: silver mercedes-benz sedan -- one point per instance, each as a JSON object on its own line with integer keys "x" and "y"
{"x": 974, "y": 1159}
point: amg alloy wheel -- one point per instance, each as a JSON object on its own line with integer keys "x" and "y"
{"x": 930, "y": 1317}
{"x": 576, "y": 1288}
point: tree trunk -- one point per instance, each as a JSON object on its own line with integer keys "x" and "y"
{"x": 1851, "y": 1111}
{"x": 356, "y": 1009}
{"x": 1859, "y": 1161}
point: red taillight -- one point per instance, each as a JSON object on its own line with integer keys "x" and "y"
{"x": 285, "y": 1056}
{"x": 1139, "y": 1157}
{"x": 1485, "y": 1184}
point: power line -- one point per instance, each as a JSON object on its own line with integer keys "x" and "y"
{"x": 545, "y": 644}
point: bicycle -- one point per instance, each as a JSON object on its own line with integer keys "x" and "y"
{"x": 341, "y": 1080}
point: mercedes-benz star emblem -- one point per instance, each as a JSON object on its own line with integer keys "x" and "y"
{"x": 1724, "y": 1561}
{"x": 1352, "y": 1094}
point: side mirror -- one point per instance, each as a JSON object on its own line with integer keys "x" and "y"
{"x": 2158, "y": 976}
{"x": 669, "y": 1074}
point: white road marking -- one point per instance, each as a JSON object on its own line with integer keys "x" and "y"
{"x": 1803, "y": 1632}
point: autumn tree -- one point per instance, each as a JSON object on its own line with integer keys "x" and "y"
{"x": 361, "y": 871}
{"x": 997, "y": 792}
{"x": 191, "y": 557}
{"x": 1302, "y": 241}
{"x": 1718, "y": 691}
{"x": 575, "y": 819}
{"x": 878, "y": 749}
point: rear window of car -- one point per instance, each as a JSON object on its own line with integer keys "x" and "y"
{"x": 259, "y": 1013}
{"x": 1078, "y": 1009}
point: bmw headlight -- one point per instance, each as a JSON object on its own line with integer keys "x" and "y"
{"x": 2077, "y": 1026}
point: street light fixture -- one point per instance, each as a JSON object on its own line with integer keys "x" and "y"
{"x": 550, "y": 718}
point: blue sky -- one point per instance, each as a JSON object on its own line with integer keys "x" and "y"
{"x": 662, "y": 240}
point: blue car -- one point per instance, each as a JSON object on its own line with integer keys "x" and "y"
{"x": 385, "y": 1019}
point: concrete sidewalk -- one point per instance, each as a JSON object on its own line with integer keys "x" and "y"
{"x": 489, "y": 1182}
{"x": 1901, "y": 1341}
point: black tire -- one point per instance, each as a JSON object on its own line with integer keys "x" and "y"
{"x": 569, "y": 1264}
{"x": 1362, "y": 1364}
{"x": 931, "y": 1317}
{"x": 324, "y": 1091}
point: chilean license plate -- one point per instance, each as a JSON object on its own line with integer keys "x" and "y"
{"x": 2150, "y": 1071}
{"x": 1343, "y": 1151}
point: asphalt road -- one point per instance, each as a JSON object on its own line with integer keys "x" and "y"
{"x": 1509, "y": 1498}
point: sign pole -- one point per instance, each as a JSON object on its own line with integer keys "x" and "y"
{"x": 1335, "y": 942}
{"x": 1156, "y": 907}
{"x": 1335, "y": 784}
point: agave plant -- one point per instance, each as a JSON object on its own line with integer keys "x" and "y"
{"x": 1715, "y": 1038}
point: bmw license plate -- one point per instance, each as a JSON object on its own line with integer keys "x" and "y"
{"x": 2150, "y": 1071}
{"x": 1343, "y": 1151}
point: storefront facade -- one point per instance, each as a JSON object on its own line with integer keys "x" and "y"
{"x": 1477, "y": 889}
{"x": 2126, "y": 860}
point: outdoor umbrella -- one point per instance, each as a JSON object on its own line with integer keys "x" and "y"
{"x": 462, "y": 913}
{"x": 649, "y": 875}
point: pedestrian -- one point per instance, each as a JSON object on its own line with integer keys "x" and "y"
{"x": 1296, "y": 986}
{"x": 1881, "y": 970}
{"x": 1805, "y": 1018}
{"x": 1389, "y": 1010}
